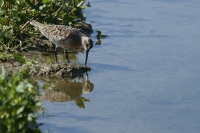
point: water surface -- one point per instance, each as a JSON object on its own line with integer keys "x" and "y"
{"x": 145, "y": 74}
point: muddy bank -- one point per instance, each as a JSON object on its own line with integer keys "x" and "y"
{"x": 59, "y": 70}
{"x": 51, "y": 70}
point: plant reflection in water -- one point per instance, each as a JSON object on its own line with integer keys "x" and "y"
{"x": 99, "y": 37}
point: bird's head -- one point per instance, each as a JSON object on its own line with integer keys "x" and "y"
{"x": 87, "y": 43}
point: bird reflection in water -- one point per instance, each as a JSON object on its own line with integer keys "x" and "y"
{"x": 68, "y": 90}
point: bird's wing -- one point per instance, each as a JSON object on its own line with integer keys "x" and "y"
{"x": 61, "y": 34}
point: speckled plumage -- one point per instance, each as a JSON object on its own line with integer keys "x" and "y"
{"x": 65, "y": 37}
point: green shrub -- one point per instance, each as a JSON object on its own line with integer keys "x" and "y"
{"x": 17, "y": 104}
{"x": 15, "y": 13}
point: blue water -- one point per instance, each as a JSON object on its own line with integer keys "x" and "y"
{"x": 146, "y": 73}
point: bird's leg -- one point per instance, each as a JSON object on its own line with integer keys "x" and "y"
{"x": 55, "y": 52}
{"x": 67, "y": 55}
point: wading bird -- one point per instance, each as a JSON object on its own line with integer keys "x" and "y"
{"x": 65, "y": 37}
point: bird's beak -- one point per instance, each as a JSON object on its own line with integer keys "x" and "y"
{"x": 87, "y": 51}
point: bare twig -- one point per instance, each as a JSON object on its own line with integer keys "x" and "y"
{"x": 53, "y": 14}
{"x": 6, "y": 5}
{"x": 29, "y": 21}
{"x": 25, "y": 24}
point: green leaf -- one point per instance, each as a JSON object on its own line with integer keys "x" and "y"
{"x": 85, "y": 100}
{"x": 80, "y": 103}
{"x": 2, "y": 73}
{"x": 19, "y": 58}
{"x": 43, "y": 6}
{"x": 45, "y": 1}
{"x": 20, "y": 110}
{"x": 1, "y": 11}
{"x": 30, "y": 117}
{"x": 80, "y": 4}
{"x": 31, "y": 4}
{"x": 22, "y": 86}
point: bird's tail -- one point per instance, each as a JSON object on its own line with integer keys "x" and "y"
{"x": 36, "y": 24}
